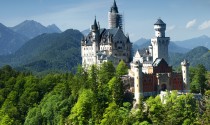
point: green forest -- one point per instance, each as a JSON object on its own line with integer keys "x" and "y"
{"x": 95, "y": 97}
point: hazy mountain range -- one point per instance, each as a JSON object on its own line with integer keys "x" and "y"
{"x": 12, "y": 38}
{"x": 61, "y": 51}
{"x": 198, "y": 55}
{"x": 31, "y": 29}
{"x": 194, "y": 42}
{"x": 10, "y": 41}
{"x": 85, "y": 32}
{"x": 56, "y": 51}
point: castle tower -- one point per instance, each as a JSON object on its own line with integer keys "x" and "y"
{"x": 95, "y": 39}
{"x": 185, "y": 74}
{"x": 94, "y": 30}
{"x": 160, "y": 42}
{"x": 114, "y": 18}
{"x": 138, "y": 86}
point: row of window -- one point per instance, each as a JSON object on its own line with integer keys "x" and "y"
{"x": 88, "y": 48}
{"x": 124, "y": 54}
{"x": 119, "y": 42}
{"x": 90, "y": 60}
{"x": 89, "y": 54}
{"x": 163, "y": 42}
{"x": 105, "y": 48}
{"x": 151, "y": 87}
{"x": 117, "y": 45}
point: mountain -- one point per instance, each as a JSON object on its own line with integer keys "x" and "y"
{"x": 194, "y": 42}
{"x": 31, "y": 28}
{"x": 56, "y": 51}
{"x": 138, "y": 44}
{"x": 10, "y": 41}
{"x": 85, "y": 32}
{"x": 198, "y": 55}
{"x": 53, "y": 28}
{"x": 141, "y": 41}
{"x": 144, "y": 43}
{"x": 174, "y": 48}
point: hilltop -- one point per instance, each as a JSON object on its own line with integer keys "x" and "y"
{"x": 31, "y": 28}
{"x": 56, "y": 51}
{"x": 198, "y": 55}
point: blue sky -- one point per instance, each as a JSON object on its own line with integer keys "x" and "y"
{"x": 184, "y": 18}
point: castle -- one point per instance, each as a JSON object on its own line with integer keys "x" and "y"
{"x": 102, "y": 45}
{"x": 149, "y": 72}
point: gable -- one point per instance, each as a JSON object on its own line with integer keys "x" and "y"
{"x": 159, "y": 62}
{"x": 119, "y": 36}
{"x": 161, "y": 66}
{"x": 137, "y": 55}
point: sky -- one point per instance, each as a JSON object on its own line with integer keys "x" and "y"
{"x": 185, "y": 19}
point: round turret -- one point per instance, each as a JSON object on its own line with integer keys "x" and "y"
{"x": 138, "y": 86}
{"x": 185, "y": 74}
{"x": 160, "y": 28}
{"x": 185, "y": 63}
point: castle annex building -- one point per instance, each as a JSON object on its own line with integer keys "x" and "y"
{"x": 149, "y": 72}
{"x": 102, "y": 45}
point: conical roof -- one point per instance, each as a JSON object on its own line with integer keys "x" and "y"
{"x": 114, "y": 8}
{"x": 95, "y": 25}
{"x": 159, "y": 22}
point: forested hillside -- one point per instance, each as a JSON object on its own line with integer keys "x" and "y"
{"x": 96, "y": 96}
{"x": 48, "y": 52}
{"x": 198, "y": 55}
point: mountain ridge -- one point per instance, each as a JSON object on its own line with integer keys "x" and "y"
{"x": 61, "y": 51}
{"x": 198, "y": 55}
{"x": 31, "y": 28}
{"x": 56, "y": 51}
{"x": 203, "y": 40}
{"x": 10, "y": 41}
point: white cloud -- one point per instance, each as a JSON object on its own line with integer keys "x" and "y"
{"x": 191, "y": 23}
{"x": 204, "y": 25}
{"x": 170, "y": 28}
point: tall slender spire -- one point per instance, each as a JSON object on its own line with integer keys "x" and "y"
{"x": 115, "y": 18}
{"x": 95, "y": 25}
{"x": 114, "y": 8}
{"x": 128, "y": 38}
